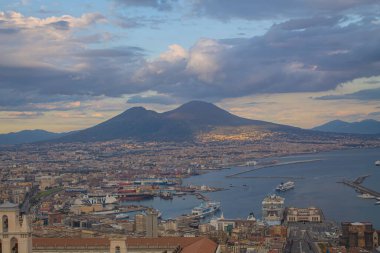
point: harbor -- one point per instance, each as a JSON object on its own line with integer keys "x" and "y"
{"x": 316, "y": 184}
{"x": 248, "y": 189}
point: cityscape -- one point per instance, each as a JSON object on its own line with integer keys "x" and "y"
{"x": 200, "y": 126}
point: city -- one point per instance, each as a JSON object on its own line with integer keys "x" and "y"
{"x": 189, "y": 126}
{"x": 98, "y": 190}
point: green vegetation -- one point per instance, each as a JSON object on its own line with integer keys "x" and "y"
{"x": 46, "y": 193}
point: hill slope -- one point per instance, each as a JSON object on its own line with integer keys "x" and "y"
{"x": 362, "y": 127}
{"x": 27, "y": 136}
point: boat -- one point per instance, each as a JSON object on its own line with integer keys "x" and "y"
{"x": 133, "y": 196}
{"x": 251, "y": 217}
{"x": 166, "y": 195}
{"x": 108, "y": 212}
{"x": 366, "y": 196}
{"x": 377, "y": 163}
{"x": 110, "y": 199}
{"x": 121, "y": 216}
{"x": 285, "y": 186}
{"x": 206, "y": 208}
{"x": 377, "y": 203}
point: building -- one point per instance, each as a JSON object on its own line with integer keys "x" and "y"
{"x": 151, "y": 223}
{"x": 15, "y": 232}
{"x": 46, "y": 182}
{"x": 125, "y": 245}
{"x": 140, "y": 223}
{"x": 358, "y": 235}
{"x": 311, "y": 214}
{"x": 273, "y": 209}
{"x": 16, "y": 237}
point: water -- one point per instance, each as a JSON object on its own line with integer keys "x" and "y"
{"x": 318, "y": 187}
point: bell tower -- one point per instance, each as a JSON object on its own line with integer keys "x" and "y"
{"x": 15, "y": 232}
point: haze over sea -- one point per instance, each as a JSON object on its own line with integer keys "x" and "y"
{"x": 316, "y": 186}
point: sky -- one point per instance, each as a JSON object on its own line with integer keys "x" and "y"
{"x": 68, "y": 65}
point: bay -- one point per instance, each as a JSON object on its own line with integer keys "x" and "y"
{"x": 316, "y": 185}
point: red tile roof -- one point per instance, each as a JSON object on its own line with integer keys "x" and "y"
{"x": 70, "y": 242}
{"x": 188, "y": 244}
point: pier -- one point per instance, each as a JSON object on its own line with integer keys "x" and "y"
{"x": 271, "y": 177}
{"x": 272, "y": 165}
{"x": 201, "y": 196}
{"x": 356, "y": 184}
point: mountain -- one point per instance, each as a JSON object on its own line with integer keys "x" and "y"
{"x": 179, "y": 124}
{"x": 27, "y": 136}
{"x": 368, "y": 126}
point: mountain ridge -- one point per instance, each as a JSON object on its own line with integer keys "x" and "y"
{"x": 183, "y": 123}
{"x": 368, "y": 126}
{"x": 179, "y": 124}
{"x": 28, "y": 136}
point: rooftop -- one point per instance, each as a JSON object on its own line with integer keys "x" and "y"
{"x": 188, "y": 244}
{"x": 8, "y": 206}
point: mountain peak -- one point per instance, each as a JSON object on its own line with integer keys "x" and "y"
{"x": 137, "y": 111}
{"x": 205, "y": 114}
{"x": 197, "y": 103}
{"x": 198, "y": 107}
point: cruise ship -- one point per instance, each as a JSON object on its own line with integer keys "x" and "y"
{"x": 205, "y": 209}
{"x": 285, "y": 186}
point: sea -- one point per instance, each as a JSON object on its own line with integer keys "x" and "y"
{"x": 316, "y": 184}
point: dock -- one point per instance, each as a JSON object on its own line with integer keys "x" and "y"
{"x": 201, "y": 196}
{"x": 272, "y": 177}
{"x": 356, "y": 184}
{"x": 260, "y": 167}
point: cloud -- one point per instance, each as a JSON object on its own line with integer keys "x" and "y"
{"x": 365, "y": 95}
{"x": 161, "y": 5}
{"x": 22, "y": 115}
{"x": 374, "y": 115}
{"x": 152, "y": 99}
{"x": 61, "y": 25}
{"x": 16, "y": 19}
{"x": 303, "y": 23}
{"x": 273, "y": 9}
{"x": 45, "y": 62}
{"x": 318, "y": 57}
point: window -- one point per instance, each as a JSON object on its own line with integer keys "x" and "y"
{"x": 117, "y": 249}
{"x": 14, "y": 245}
{"x": 5, "y": 223}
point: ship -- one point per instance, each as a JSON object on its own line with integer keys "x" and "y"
{"x": 166, "y": 195}
{"x": 133, "y": 196}
{"x": 377, "y": 163}
{"x": 285, "y": 186}
{"x": 205, "y": 209}
{"x": 154, "y": 181}
{"x": 366, "y": 196}
{"x": 121, "y": 216}
{"x": 107, "y": 212}
{"x": 251, "y": 217}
